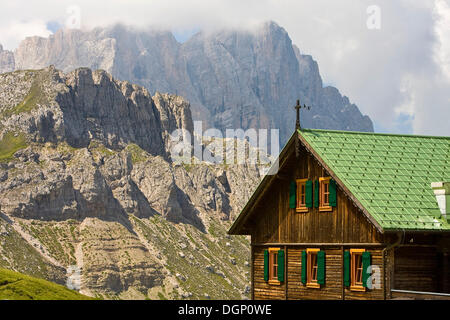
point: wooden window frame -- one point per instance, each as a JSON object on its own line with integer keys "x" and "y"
{"x": 310, "y": 268}
{"x": 301, "y": 207}
{"x": 353, "y": 285}
{"x": 273, "y": 259}
{"x": 323, "y": 206}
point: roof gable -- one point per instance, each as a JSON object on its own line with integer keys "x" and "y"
{"x": 388, "y": 176}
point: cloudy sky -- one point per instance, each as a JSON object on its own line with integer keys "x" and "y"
{"x": 391, "y": 58}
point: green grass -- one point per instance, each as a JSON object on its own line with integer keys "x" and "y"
{"x": 137, "y": 153}
{"x": 10, "y": 144}
{"x": 100, "y": 148}
{"x": 17, "y": 286}
{"x": 58, "y": 239}
{"x": 30, "y": 101}
{"x": 65, "y": 148}
{"x": 161, "y": 296}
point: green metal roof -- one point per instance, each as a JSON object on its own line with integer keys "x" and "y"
{"x": 389, "y": 174}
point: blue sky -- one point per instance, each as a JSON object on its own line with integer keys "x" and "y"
{"x": 184, "y": 35}
{"x": 391, "y": 58}
{"x": 54, "y": 26}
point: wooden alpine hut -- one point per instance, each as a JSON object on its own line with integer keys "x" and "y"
{"x": 352, "y": 215}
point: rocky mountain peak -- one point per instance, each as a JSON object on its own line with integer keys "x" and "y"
{"x": 232, "y": 78}
{"x": 85, "y": 105}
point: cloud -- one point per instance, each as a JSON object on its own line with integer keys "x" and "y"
{"x": 442, "y": 29}
{"x": 426, "y": 86}
{"x": 399, "y": 74}
{"x": 11, "y": 34}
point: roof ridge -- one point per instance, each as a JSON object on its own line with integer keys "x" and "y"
{"x": 374, "y": 133}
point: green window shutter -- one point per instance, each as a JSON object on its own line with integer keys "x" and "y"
{"x": 366, "y": 261}
{"x": 316, "y": 193}
{"x": 346, "y": 268}
{"x": 266, "y": 265}
{"x": 292, "y": 194}
{"x": 304, "y": 267}
{"x": 333, "y": 196}
{"x": 321, "y": 267}
{"x": 281, "y": 265}
{"x": 309, "y": 194}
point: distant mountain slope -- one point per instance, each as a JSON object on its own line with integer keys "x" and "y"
{"x": 17, "y": 286}
{"x": 233, "y": 79}
{"x": 6, "y": 60}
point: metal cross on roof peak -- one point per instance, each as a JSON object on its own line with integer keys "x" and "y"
{"x": 297, "y": 108}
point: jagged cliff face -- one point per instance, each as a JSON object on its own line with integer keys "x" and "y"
{"x": 88, "y": 184}
{"x": 233, "y": 79}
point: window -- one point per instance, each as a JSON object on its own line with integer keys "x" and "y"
{"x": 356, "y": 273}
{"x": 324, "y": 197}
{"x": 274, "y": 271}
{"x": 273, "y": 265}
{"x": 312, "y": 268}
{"x": 301, "y": 196}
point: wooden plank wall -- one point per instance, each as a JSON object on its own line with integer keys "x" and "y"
{"x": 297, "y": 291}
{"x": 333, "y": 286}
{"x": 416, "y": 268}
{"x": 261, "y": 289}
{"x": 389, "y": 272}
{"x": 417, "y": 296}
{"x": 444, "y": 274}
{"x": 275, "y": 222}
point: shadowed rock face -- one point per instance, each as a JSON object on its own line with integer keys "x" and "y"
{"x": 233, "y": 79}
{"x": 82, "y": 106}
{"x": 87, "y": 180}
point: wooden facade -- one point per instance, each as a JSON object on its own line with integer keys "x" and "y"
{"x": 405, "y": 261}
{"x": 293, "y": 289}
{"x": 277, "y": 223}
